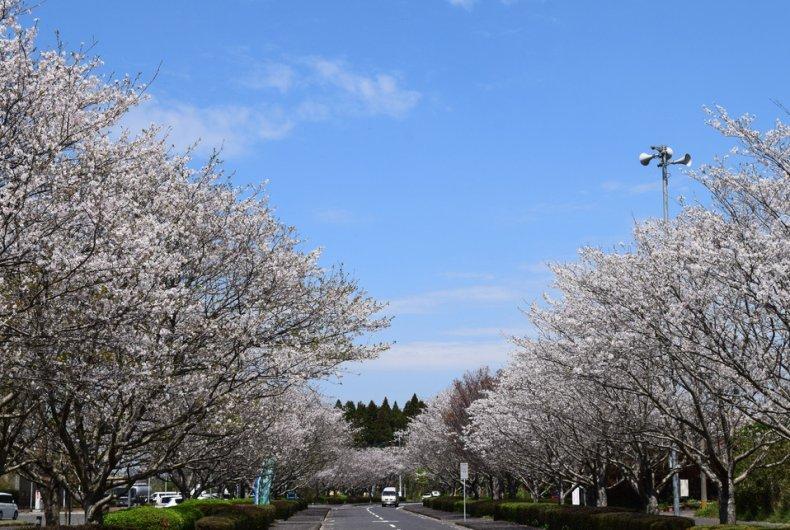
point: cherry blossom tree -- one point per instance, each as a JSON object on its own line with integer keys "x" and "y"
{"x": 140, "y": 297}
{"x": 435, "y": 439}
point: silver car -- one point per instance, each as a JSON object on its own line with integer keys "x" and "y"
{"x": 8, "y": 508}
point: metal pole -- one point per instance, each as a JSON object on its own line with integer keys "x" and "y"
{"x": 665, "y": 184}
{"x": 464, "y": 481}
{"x": 673, "y": 462}
{"x": 673, "y": 455}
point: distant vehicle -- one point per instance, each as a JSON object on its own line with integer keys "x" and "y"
{"x": 426, "y": 495}
{"x": 169, "y": 502}
{"x": 8, "y": 508}
{"x": 291, "y": 495}
{"x": 157, "y": 496}
{"x": 435, "y": 493}
{"x": 138, "y": 492}
{"x": 207, "y": 495}
{"x": 389, "y": 497}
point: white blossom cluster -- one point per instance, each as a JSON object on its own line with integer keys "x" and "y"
{"x": 150, "y": 313}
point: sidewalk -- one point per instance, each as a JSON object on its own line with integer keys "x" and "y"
{"x": 308, "y": 519}
{"x": 458, "y": 519}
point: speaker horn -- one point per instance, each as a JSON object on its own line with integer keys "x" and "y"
{"x": 686, "y": 160}
{"x": 645, "y": 158}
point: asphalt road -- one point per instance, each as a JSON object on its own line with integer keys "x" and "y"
{"x": 374, "y": 517}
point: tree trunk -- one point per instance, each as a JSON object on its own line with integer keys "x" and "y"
{"x": 94, "y": 505}
{"x": 646, "y": 489}
{"x": 601, "y": 498}
{"x": 52, "y": 499}
{"x": 727, "y": 501}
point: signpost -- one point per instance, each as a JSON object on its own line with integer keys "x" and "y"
{"x": 464, "y": 478}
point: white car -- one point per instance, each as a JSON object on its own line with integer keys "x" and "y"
{"x": 169, "y": 502}
{"x": 426, "y": 496}
{"x": 157, "y": 497}
{"x": 8, "y": 508}
{"x": 389, "y": 497}
{"x": 435, "y": 493}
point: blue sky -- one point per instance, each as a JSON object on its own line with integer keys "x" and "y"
{"x": 444, "y": 150}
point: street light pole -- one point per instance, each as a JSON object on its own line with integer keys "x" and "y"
{"x": 664, "y": 155}
{"x": 400, "y": 476}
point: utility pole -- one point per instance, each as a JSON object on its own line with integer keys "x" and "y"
{"x": 664, "y": 155}
{"x": 400, "y": 477}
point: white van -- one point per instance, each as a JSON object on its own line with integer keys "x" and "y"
{"x": 8, "y": 508}
{"x": 389, "y": 497}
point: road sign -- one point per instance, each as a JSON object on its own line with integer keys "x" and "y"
{"x": 464, "y": 471}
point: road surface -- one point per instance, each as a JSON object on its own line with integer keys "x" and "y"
{"x": 374, "y": 517}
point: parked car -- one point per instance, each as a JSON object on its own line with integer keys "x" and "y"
{"x": 435, "y": 493}
{"x": 169, "y": 502}
{"x": 389, "y": 497}
{"x": 157, "y": 496}
{"x": 426, "y": 495}
{"x": 8, "y": 508}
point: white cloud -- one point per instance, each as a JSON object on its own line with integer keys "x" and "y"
{"x": 335, "y": 216}
{"x": 311, "y": 89}
{"x": 271, "y": 75}
{"x": 469, "y": 4}
{"x": 504, "y": 333}
{"x": 465, "y": 4}
{"x": 428, "y": 355}
{"x": 234, "y": 128}
{"x": 377, "y": 94}
{"x": 478, "y": 294}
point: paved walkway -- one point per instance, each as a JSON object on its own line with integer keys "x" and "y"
{"x": 476, "y": 523}
{"x": 310, "y": 518}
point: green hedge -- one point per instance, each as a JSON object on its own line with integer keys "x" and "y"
{"x": 555, "y": 517}
{"x": 148, "y": 518}
{"x": 337, "y": 499}
{"x": 285, "y": 508}
{"x": 739, "y": 527}
{"x": 446, "y": 504}
{"x": 196, "y": 514}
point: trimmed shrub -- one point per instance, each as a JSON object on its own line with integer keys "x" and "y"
{"x": 738, "y": 527}
{"x": 285, "y": 508}
{"x": 442, "y": 503}
{"x": 556, "y": 517}
{"x": 216, "y": 522}
{"x": 639, "y": 521}
{"x": 243, "y": 516}
{"x": 479, "y": 508}
{"x": 148, "y": 518}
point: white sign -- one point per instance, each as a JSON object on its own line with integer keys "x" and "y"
{"x": 576, "y": 496}
{"x": 464, "y": 471}
{"x": 684, "y": 487}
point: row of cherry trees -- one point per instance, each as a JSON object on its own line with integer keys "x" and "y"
{"x": 677, "y": 342}
{"x": 153, "y": 318}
